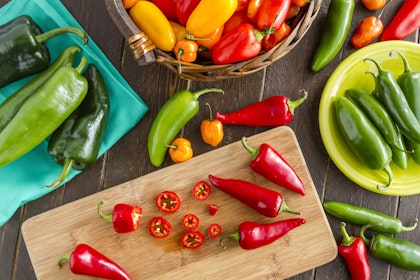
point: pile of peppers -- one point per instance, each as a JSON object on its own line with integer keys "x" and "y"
{"x": 223, "y": 31}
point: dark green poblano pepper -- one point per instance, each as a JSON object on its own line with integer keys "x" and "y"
{"x": 75, "y": 144}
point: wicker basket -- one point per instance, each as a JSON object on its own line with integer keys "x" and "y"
{"x": 145, "y": 52}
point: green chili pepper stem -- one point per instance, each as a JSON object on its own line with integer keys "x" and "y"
{"x": 388, "y": 171}
{"x": 362, "y": 233}
{"x": 211, "y": 118}
{"x": 285, "y": 208}
{"x": 295, "y": 103}
{"x": 407, "y": 67}
{"x": 65, "y": 257}
{"x": 347, "y": 239}
{"x": 101, "y": 214}
{"x": 81, "y": 65}
{"x": 41, "y": 38}
{"x": 410, "y": 228}
{"x": 67, "y": 166}
{"x": 235, "y": 236}
{"x": 197, "y": 94}
{"x": 252, "y": 151}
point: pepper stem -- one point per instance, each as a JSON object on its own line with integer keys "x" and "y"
{"x": 347, "y": 239}
{"x": 67, "y": 166}
{"x": 410, "y": 228}
{"x": 211, "y": 118}
{"x": 407, "y": 67}
{"x": 252, "y": 151}
{"x": 101, "y": 214}
{"x": 65, "y": 257}
{"x": 197, "y": 94}
{"x": 293, "y": 104}
{"x": 41, "y": 38}
{"x": 235, "y": 236}
{"x": 285, "y": 208}
{"x": 388, "y": 171}
{"x": 79, "y": 68}
{"x": 378, "y": 66}
{"x": 362, "y": 232}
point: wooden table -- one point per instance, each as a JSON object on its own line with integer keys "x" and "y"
{"x": 128, "y": 158}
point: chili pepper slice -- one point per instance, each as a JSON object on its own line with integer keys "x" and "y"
{"x": 180, "y": 150}
{"x": 212, "y": 130}
{"x": 190, "y": 221}
{"x": 159, "y": 227}
{"x": 201, "y": 190}
{"x": 125, "y": 217}
{"x": 214, "y": 230}
{"x": 85, "y": 260}
{"x": 213, "y": 208}
{"x": 168, "y": 202}
{"x": 192, "y": 239}
{"x": 405, "y": 21}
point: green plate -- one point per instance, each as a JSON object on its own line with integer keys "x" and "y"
{"x": 351, "y": 73}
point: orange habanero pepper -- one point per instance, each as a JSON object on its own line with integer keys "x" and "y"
{"x": 212, "y": 130}
{"x": 368, "y": 30}
{"x": 373, "y": 5}
{"x": 186, "y": 50}
{"x": 180, "y": 150}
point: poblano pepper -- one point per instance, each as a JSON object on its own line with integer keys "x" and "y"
{"x": 75, "y": 144}
{"x": 22, "y": 52}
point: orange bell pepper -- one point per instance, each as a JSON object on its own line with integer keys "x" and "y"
{"x": 180, "y": 150}
{"x": 212, "y": 130}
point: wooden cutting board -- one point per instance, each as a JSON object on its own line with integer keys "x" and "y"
{"x": 56, "y": 232}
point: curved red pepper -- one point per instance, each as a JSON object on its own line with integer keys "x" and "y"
{"x": 272, "y": 13}
{"x": 405, "y": 21}
{"x": 354, "y": 252}
{"x": 125, "y": 218}
{"x": 265, "y": 201}
{"x": 85, "y": 260}
{"x": 242, "y": 43}
{"x": 184, "y": 9}
{"x": 274, "y": 111}
{"x": 267, "y": 162}
{"x": 168, "y": 8}
{"x": 254, "y": 235}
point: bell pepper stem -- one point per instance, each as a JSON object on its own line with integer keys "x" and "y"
{"x": 235, "y": 236}
{"x": 285, "y": 208}
{"x": 101, "y": 214}
{"x": 252, "y": 151}
{"x": 293, "y": 104}
{"x": 65, "y": 257}
{"x": 67, "y": 166}
{"x": 388, "y": 171}
{"x": 347, "y": 240}
{"x": 41, "y": 38}
{"x": 197, "y": 94}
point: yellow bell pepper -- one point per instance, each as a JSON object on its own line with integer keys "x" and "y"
{"x": 209, "y": 15}
{"x": 150, "y": 19}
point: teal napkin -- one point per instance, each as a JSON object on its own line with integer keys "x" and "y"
{"x": 24, "y": 179}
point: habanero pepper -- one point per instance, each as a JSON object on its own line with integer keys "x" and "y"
{"x": 272, "y": 13}
{"x": 173, "y": 115}
{"x": 360, "y": 216}
{"x": 273, "y": 111}
{"x": 363, "y": 138}
{"x": 43, "y": 112}
{"x": 125, "y": 217}
{"x": 85, "y": 260}
{"x": 268, "y": 162}
{"x": 211, "y": 130}
{"x": 354, "y": 252}
{"x": 22, "y": 52}
{"x": 186, "y": 51}
{"x": 180, "y": 150}
{"x": 252, "y": 235}
{"x": 405, "y": 21}
{"x": 265, "y": 201}
{"x": 76, "y": 143}
{"x": 368, "y": 30}
{"x": 373, "y": 5}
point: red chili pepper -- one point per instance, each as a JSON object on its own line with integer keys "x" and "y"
{"x": 160, "y": 227}
{"x": 168, "y": 202}
{"x": 242, "y": 43}
{"x": 190, "y": 221}
{"x": 254, "y": 235}
{"x": 242, "y": 5}
{"x": 85, "y": 260}
{"x": 213, "y": 208}
{"x": 268, "y": 162}
{"x": 265, "y": 201}
{"x": 201, "y": 190}
{"x": 125, "y": 217}
{"x": 184, "y": 9}
{"x": 192, "y": 239}
{"x": 168, "y": 8}
{"x": 214, "y": 230}
{"x": 274, "y": 111}
{"x": 354, "y": 252}
{"x": 405, "y": 21}
{"x": 273, "y": 13}
{"x": 272, "y": 39}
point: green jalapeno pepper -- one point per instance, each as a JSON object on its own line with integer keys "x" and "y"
{"x": 22, "y": 52}
{"x": 361, "y": 216}
{"x": 390, "y": 94}
{"x": 173, "y": 115}
{"x": 11, "y": 105}
{"x": 75, "y": 144}
{"x": 394, "y": 251}
{"x": 337, "y": 25}
{"x": 409, "y": 81}
{"x": 43, "y": 112}
{"x": 363, "y": 138}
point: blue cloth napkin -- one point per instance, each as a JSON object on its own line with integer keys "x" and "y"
{"x": 25, "y": 179}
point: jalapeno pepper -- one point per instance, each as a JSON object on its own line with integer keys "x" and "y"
{"x": 405, "y": 21}
{"x": 160, "y": 227}
{"x": 339, "y": 17}
{"x": 43, "y": 112}
{"x": 125, "y": 217}
{"x": 361, "y": 216}
{"x": 363, "y": 138}
{"x": 75, "y": 144}
{"x": 173, "y": 115}
{"x": 394, "y": 251}
{"x": 22, "y": 52}
{"x": 252, "y": 235}
{"x": 265, "y": 201}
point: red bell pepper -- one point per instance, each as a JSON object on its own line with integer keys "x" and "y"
{"x": 125, "y": 218}
{"x": 354, "y": 252}
{"x": 254, "y": 235}
{"x": 272, "y": 13}
{"x": 159, "y": 227}
{"x": 242, "y": 43}
{"x": 184, "y": 8}
{"x": 405, "y": 21}
{"x": 274, "y": 111}
{"x": 267, "y": 162}
{"x": 168, "y": 8}
{"x": 85, "y": 260}
{"x": 265, "y": 201}
{"x": 192, "y": 239}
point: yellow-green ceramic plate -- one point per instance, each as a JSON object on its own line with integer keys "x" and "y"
{"x": 351, "y": 73}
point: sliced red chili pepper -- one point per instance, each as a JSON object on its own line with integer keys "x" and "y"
{"x": 213, "y": 209}
{"x": 190, "y": 221}
{"x": 125, "y": 217}
{"x": 214, "y": 230}
{"x": 201, "y": 190}
{"x": 192, "y": 239}
{"x": 159, "y": 227}
{"x": 168, "y": 202}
